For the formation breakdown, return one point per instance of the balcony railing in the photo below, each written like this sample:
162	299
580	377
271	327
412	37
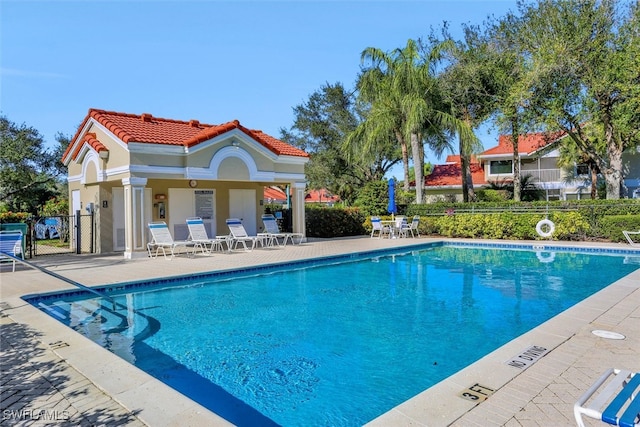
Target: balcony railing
543	175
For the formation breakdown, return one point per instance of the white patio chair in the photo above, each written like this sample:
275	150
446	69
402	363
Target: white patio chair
161	239
617	402
198	235
412	227
400	226
273	230
239	235
628	234
11	246
377	226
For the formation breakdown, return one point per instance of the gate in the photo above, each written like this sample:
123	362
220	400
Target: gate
62	234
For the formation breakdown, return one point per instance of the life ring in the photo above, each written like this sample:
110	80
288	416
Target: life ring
549	224
545	259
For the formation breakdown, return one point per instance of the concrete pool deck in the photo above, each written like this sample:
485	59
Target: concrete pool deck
53	376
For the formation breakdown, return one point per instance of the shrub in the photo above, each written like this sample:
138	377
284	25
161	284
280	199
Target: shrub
13	217
491	195
507	225
373	198
611	227
334	222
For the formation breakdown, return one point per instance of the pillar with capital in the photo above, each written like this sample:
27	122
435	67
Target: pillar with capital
137	212
297	207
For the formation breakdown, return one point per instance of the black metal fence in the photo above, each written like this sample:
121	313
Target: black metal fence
60	234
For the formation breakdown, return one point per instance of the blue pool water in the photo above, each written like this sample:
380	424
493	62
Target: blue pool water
339	341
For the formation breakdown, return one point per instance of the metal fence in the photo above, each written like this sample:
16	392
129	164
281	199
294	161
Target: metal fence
60	234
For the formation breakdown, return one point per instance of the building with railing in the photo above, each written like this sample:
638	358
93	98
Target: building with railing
539	158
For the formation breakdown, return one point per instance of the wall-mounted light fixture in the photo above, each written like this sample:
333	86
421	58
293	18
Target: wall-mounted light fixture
235	144
160	197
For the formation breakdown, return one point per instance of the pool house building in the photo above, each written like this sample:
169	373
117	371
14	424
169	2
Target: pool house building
129	170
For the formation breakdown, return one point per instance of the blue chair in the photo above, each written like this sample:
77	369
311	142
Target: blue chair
11	244
623	410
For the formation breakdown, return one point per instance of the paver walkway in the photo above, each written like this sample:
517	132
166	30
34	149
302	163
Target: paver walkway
39	388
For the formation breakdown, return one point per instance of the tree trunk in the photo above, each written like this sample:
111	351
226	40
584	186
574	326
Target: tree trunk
405	160
594	180
418	165
468	194
613	174
515	136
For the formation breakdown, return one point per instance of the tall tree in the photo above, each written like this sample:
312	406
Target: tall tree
410	97
384	117
29	174
320	127
585	76
511	100
470	89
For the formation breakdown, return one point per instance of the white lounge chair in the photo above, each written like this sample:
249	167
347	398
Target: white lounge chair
628	235
239	235
161	239
617	402
198	235
378	227
273	230
11	246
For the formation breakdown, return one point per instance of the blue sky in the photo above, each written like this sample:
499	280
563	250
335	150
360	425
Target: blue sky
214	61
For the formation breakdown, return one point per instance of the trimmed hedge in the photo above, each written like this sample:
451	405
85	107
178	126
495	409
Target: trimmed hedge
575	220
334	222
507	225
13	217
611	227
592	211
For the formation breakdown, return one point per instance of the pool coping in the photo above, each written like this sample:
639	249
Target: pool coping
131	387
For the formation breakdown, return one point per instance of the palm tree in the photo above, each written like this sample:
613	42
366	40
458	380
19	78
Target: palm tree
375	86
406	99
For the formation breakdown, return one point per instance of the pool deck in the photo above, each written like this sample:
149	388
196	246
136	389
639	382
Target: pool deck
53	376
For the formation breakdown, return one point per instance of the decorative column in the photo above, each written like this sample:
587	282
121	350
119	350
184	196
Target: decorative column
136	213
297	208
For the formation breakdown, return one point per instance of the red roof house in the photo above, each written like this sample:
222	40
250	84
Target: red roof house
134	169
492	164
321	196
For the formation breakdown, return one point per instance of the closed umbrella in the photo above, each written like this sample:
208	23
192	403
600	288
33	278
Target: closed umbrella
391	207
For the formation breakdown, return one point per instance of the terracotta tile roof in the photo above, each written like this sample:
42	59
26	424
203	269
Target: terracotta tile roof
455	158
451	175
527	144
90	139
274	194
320	196
145	128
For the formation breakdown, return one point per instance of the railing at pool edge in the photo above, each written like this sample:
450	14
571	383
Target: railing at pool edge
64	279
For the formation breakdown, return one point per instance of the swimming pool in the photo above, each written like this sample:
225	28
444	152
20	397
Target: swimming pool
338	341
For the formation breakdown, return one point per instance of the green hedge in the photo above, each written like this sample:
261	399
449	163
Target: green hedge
592	211
573	220
611	227
334	222
507	225
13	217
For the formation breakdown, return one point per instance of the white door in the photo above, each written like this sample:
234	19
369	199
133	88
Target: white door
242	204
117	210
